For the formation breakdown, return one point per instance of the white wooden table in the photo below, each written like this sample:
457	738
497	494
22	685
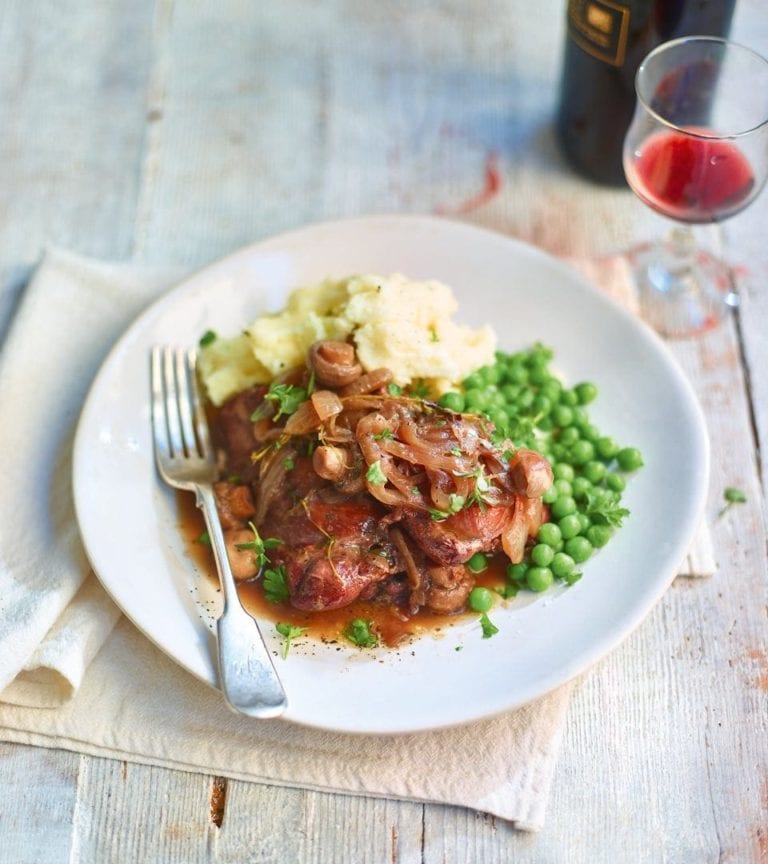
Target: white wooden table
174	132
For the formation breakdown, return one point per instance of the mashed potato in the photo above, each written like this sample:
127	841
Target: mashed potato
395	322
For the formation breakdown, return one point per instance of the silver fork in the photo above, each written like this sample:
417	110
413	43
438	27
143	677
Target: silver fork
185	460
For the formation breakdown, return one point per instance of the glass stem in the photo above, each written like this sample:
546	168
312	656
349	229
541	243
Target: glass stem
673	271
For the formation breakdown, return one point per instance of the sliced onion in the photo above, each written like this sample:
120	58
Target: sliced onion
303	420
326	403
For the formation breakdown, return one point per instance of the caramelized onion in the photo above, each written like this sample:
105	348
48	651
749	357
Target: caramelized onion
368	383
334	363
529	473
304	419
326	403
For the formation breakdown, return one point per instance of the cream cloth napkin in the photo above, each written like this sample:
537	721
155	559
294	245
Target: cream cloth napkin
56	621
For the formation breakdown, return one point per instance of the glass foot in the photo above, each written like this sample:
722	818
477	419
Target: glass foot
682	291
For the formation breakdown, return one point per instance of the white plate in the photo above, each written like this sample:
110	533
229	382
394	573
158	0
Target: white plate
129	520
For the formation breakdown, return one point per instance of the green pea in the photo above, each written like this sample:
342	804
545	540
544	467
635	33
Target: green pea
550	495
582	452
516	572
538	375
550	534
563	505
584	521
579	548
629	459
517	373
570	526
590	432
580	417
478	562
562	415
606	447
525	399
499	418
473	381
598	535
580	487
510	392
488	374
545	424
586	392
542	554
569	398
541	404
563	471
480	599
474	399
562	565
539	578
615	482
569	436
452	401
594	471
551	388
563	487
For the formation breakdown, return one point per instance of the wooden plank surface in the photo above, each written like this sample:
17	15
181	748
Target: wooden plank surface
173	132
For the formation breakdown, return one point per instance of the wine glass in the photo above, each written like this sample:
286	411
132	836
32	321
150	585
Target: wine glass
696	152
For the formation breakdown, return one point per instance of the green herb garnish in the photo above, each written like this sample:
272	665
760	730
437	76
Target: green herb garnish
259	546
603	507
455	504
287	398
489	628
360	633
375	475
207	337
276	584
289	632
732	496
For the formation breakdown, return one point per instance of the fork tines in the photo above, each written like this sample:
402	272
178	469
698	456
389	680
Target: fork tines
178	418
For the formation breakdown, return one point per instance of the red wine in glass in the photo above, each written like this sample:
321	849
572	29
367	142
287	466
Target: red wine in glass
691	177
696	152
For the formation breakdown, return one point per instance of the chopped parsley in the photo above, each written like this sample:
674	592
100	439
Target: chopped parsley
394	389
207	337
287	398
360	633
385	433
204	538
731	496
482	487
375	475
433	337
288	463
289	632
489	628
259	546
276	584
455	504
603	507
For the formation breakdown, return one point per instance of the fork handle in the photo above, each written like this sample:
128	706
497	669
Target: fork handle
247	675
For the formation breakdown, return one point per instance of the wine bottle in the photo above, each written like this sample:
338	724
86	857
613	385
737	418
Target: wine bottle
605	42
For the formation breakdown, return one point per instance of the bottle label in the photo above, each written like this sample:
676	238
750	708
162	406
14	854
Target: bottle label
600	27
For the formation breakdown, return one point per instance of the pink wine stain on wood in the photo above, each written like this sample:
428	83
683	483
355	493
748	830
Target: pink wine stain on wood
490	188
759	658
